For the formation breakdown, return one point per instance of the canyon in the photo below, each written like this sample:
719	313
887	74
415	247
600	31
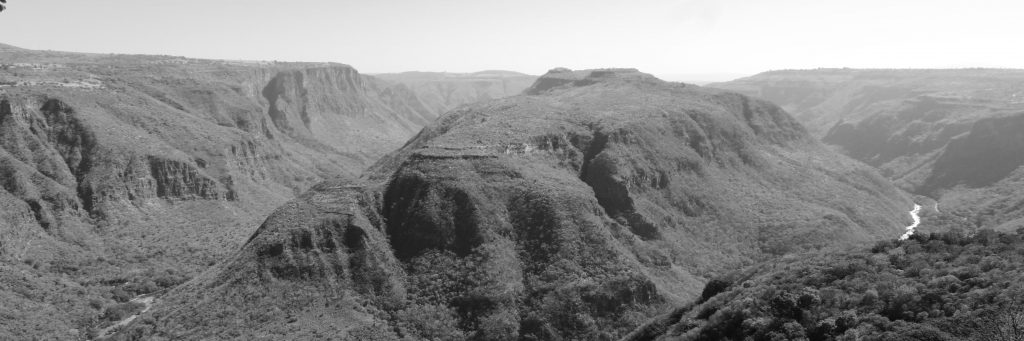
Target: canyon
575	211
248	200
950	135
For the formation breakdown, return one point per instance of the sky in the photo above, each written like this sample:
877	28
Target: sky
673	39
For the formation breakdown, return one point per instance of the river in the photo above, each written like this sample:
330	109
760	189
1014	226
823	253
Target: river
917	221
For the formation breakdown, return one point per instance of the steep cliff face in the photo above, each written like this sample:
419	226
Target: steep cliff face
896	120
35	171
304	274
573	213
338	107
978	176
443	91
989	152
129	129
947	134
57	147
119	169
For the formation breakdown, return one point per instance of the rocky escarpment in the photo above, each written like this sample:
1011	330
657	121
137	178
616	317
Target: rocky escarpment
989	152
978	177
946	134
119	169
444	91
917	130
896	120
311	104
201	130
34	173
573	213
317	259
56	149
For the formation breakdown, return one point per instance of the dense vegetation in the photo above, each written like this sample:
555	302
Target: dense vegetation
942	286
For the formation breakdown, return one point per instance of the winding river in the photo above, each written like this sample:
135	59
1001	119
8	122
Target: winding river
917	221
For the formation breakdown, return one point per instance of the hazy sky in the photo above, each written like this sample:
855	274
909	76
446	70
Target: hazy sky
664	37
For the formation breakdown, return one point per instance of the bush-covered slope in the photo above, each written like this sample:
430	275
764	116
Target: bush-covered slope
931	287
575	212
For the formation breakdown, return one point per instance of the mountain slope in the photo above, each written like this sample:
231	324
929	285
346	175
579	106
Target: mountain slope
118	172
575	212
947	134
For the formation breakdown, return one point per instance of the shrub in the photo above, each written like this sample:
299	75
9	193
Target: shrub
121	311
714	287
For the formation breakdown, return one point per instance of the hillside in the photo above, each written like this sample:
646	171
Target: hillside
576	211
126	175
951	135
444	91
931	287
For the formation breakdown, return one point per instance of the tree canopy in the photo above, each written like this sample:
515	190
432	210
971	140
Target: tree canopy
937	287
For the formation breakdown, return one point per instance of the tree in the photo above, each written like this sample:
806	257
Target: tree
3	5
1004	325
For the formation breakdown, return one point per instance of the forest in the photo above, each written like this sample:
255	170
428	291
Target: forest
939	286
